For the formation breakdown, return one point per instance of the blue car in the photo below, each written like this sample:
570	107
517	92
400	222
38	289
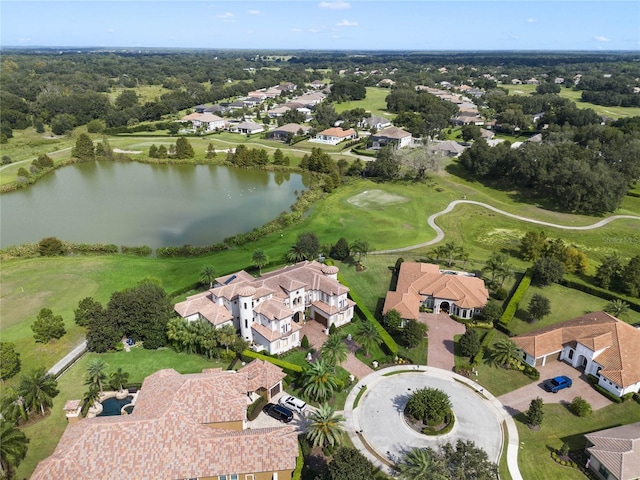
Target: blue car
557	383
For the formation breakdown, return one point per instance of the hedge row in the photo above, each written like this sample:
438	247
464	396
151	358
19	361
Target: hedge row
288	367
598	292
390	343
486	341
255	408
297	473
512	307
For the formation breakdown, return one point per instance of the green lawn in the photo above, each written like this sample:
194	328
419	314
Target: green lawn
576	96
566	303
146	93
375	102
558	426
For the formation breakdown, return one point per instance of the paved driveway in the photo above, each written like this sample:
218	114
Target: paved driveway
519	400
442	328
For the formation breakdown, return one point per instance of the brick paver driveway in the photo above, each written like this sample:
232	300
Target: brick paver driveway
441	331
519	400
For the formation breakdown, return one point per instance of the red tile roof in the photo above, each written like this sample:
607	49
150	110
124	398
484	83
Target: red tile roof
617	341
166	436
261	374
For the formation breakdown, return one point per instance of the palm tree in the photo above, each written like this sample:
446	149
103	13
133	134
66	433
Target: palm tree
38	389
497	265
503	351
190	338
439	251
318	380
617	307
226	336
13	447
90	398
325	427
12	406
176	328
334	350
452	251
95	373
118	379
421	464
368	336
260	259
209	341
296	254
207	275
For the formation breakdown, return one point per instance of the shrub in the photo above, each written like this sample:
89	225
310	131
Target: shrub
501	294
51	247
255	408
486	341
512	306
304	343
531	372
580	407
288	367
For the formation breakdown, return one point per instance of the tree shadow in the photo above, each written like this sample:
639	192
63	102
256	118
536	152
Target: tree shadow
400	400
449	345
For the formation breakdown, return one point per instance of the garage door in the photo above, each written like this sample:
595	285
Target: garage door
274	390
322	319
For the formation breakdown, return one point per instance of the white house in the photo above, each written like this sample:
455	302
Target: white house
334	135
208	121
394	136
424	284
268	310
614	453
596	343
246	128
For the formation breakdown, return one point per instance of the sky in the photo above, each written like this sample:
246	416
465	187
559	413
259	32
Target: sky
415	25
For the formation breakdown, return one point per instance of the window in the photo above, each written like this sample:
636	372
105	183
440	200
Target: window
245	305
603	471
246	323
249	476
570	354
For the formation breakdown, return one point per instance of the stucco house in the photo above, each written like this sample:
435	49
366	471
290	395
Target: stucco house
268	310
208	121
182	426
287	131
375	122
335	135
424	284
394	136
246	128
614	453
596	343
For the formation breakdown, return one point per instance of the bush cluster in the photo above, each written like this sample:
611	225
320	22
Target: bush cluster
288	367
255	408
516	298
486	341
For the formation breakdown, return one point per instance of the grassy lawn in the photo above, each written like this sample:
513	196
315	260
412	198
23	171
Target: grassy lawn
375	102
146	93
140	363
576	96
561	308
558	426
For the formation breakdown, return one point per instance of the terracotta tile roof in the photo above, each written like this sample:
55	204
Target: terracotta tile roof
202	117
331	309
203	306
392	132
618	449
261	374
417	280
617	341
273	309
72	405
292	127
163	437
337	132
273	335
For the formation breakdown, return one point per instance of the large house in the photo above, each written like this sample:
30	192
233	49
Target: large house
392	136
246	128
285	132
207	121
268	310
335	135
424	284
614	453
596	343
182	426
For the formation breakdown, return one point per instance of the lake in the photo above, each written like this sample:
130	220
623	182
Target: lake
137	204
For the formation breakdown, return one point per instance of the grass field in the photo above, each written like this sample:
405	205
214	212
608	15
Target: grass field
575	95
558	426
375	102
146	93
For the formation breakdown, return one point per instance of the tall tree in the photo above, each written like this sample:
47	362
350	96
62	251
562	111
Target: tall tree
96	374
12	406
118	379
84	149
422	464
413	333
548	270
9	360
226	336
259	259
13	448
184	149
608	273
496	265
325	426
341	250
38	388
539	307
470	343
89	399
349	464
532	245
334	351
208	275
47	326
87	309
630	277
318	381
368	336
535	412
452	252
176	329
385	166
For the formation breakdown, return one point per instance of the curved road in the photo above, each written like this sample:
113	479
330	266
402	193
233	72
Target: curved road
452	205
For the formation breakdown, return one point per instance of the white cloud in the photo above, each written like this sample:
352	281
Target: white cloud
600	38
347	23
227	17
315	30
254	12
110	30
514	37
297	30
335	5
531	20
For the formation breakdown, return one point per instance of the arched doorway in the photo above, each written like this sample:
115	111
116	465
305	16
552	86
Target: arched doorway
582	362
444	307
298	317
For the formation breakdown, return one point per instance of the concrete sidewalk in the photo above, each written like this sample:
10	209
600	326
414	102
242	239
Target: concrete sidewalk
68	360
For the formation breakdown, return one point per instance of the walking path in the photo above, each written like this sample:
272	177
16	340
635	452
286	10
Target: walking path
55	152
452	205
68	360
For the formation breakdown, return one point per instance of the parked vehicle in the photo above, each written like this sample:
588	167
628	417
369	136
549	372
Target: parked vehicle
557	383
293	403
278	412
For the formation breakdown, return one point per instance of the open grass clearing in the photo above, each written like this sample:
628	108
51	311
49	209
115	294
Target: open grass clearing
145	93
558	426
375	102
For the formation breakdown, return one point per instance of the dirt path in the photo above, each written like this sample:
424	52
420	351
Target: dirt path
452	205
55	152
